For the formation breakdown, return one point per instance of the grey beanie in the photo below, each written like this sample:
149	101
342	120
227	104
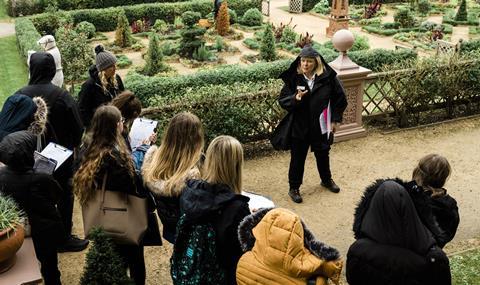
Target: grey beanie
309	51
104	59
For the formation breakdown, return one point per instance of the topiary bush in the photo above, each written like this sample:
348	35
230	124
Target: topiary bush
103	265
233	16
123	61
253	17
308	5
123	34
191	34
87	28
462	12
267	46
160	26
360	43
222	23
424	7
322	7
404	17
154	57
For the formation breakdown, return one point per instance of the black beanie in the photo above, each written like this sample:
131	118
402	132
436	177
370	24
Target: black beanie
309	51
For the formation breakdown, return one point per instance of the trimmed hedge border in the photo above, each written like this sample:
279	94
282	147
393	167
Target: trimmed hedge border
106	19
27	36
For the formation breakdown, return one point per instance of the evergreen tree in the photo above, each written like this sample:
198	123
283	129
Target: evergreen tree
123	34
462	12
103	265
223	19
154	56
191	34
267	48
77	55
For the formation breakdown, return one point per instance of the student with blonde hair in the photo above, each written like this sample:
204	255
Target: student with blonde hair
214	202
166	168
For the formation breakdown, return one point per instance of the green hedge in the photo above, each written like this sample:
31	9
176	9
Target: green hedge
470	46
27	36
147	88
106	19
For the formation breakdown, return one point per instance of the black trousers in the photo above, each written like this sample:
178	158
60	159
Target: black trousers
133	258
65	201
298	155
46	252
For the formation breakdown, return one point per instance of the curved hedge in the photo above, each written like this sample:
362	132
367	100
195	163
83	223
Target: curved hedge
106	19
27	36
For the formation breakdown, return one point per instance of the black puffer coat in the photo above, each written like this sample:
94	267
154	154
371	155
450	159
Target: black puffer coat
92	96
216	203
35	193
306	113
393	245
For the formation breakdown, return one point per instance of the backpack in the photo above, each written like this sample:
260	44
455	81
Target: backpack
194	259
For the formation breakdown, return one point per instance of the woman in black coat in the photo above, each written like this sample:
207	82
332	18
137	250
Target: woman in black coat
393	246
311	88
105	153
102	86
36	194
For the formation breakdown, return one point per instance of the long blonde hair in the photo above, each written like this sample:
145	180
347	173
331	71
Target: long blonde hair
105	81
318	70
180	151
224	162
101	141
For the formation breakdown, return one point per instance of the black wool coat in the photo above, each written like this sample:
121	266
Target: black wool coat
306	113
92	96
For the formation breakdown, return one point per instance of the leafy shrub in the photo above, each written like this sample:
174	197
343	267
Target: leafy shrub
87	28
168	48
462	12
202	54
470	46
233	16
251	43
405	18
375	59
424	6
308	5
191	34
393	25
140	26
123	61
360	43
22	7
267	46
137	46
288	35
27	36
370	21
219	44
123	34
160	26
322	7
154	57
190	18
253	17
103	265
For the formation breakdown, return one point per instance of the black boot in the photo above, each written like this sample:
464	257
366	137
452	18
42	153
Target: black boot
331	186
294	193
73	244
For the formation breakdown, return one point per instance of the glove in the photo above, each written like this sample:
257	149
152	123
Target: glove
332	270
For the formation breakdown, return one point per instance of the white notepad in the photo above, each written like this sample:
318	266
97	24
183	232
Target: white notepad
56	152
258	201
141	129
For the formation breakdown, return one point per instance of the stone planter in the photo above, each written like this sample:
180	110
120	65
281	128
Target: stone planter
10	242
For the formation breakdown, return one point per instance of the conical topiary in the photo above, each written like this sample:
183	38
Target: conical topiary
123	34
154	56
103	265
267	48
223	19
462	12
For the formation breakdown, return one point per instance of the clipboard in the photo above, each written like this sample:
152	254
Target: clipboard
141	129
258	201
57	153
43	164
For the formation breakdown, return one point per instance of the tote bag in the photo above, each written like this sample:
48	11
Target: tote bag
281	137
122	216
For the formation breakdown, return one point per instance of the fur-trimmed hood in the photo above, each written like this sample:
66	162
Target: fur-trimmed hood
20	112
247	238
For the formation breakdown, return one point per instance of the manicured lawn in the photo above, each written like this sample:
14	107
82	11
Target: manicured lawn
13	73
466	268
3	10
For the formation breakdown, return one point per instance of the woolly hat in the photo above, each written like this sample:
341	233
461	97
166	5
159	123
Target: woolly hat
309	51
104	59
47	42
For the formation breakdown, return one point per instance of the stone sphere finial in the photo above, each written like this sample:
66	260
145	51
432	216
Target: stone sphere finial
343	40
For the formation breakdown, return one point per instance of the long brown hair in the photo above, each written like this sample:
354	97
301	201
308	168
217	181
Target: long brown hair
224	162
179	153
432	171
129	106
102	139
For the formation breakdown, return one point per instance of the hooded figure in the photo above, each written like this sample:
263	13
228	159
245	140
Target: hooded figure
21	112
310	89
394	245
64	127
102	86
36	194
49	45
279	249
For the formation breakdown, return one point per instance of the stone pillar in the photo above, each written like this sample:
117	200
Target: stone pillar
338	17
353	78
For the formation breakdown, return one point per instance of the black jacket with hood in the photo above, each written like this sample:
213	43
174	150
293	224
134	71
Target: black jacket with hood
393	245
92	96
35	193
216	203
306	113
64	125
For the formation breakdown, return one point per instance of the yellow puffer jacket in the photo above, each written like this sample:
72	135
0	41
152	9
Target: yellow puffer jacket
280	251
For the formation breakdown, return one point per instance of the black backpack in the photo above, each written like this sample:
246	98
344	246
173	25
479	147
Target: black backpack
194	259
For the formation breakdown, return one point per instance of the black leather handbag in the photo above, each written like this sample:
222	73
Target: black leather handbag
281	138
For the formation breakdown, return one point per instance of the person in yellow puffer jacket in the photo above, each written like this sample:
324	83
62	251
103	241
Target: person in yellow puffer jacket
279	249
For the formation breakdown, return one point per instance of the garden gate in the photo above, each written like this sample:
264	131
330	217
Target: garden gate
266	7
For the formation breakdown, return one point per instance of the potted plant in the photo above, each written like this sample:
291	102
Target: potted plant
11	231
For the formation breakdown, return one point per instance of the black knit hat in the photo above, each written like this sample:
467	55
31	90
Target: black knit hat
309	51
104	59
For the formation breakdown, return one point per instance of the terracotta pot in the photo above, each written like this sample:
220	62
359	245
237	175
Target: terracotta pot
10	242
